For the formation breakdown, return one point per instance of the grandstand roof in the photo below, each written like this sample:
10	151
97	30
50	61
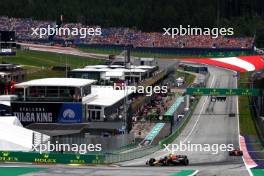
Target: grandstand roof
58	82
146	59
114	74
97	66
143	66
92	69
107	95
117	66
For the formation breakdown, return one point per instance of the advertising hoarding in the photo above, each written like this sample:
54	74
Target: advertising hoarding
35	112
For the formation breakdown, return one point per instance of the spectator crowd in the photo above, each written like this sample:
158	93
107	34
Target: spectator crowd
123	36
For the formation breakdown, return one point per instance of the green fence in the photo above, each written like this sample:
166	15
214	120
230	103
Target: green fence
50	158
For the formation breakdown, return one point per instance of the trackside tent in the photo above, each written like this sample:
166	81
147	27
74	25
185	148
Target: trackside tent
10	120
14	137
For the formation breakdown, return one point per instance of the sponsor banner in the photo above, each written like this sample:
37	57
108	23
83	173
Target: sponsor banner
35	112
70	113
51	158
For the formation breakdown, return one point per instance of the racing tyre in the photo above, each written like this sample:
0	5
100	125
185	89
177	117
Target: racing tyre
152	161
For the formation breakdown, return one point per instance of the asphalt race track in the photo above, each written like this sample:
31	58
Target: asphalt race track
210	124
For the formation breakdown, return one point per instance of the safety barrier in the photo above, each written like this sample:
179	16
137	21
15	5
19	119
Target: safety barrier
202	52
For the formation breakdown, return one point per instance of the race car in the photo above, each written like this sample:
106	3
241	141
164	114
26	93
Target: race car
171	160
236	152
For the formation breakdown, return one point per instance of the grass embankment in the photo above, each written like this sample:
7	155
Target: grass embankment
246	121
39	64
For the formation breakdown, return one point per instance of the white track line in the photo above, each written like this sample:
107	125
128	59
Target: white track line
194	173
198	118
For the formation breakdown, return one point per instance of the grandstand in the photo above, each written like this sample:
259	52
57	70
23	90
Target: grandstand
121	36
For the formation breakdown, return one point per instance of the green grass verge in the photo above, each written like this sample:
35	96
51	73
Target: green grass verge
46	74
257	172
38	64
48	59
16	171
246	122
183	173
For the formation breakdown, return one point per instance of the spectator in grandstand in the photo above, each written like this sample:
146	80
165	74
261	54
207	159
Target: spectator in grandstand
123	36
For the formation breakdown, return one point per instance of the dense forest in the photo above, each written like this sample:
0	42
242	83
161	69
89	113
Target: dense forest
245	16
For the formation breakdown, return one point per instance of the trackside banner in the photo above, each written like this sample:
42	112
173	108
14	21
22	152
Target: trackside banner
50	158
34	112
